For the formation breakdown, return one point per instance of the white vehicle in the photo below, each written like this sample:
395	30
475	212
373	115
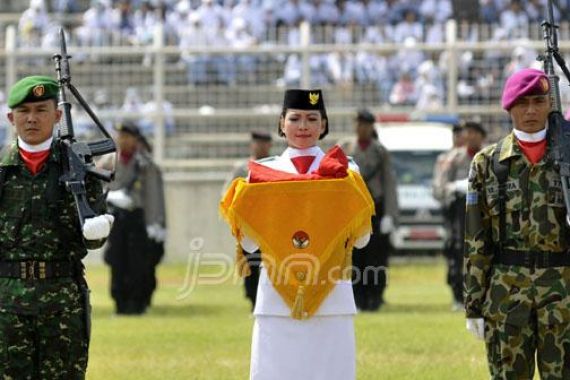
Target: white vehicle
414	147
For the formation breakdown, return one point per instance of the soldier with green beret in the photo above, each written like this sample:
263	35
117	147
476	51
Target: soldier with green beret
44	304
517	259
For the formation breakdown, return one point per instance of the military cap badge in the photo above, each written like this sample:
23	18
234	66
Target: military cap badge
313	98
39	90
544	84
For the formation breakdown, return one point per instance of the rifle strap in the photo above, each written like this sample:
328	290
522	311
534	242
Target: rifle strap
501	171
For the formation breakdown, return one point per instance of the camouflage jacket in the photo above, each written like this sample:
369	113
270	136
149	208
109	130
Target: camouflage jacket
38	221
535	216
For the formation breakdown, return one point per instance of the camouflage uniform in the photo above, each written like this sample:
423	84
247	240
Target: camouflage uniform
450	167
526	308
44	323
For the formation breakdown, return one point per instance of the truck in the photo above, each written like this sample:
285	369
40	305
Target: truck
414	147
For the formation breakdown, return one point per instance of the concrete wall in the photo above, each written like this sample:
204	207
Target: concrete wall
192	214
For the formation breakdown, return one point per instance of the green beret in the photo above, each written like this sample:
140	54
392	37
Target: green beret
32	89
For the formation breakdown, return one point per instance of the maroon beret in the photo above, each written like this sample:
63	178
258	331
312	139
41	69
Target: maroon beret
524	82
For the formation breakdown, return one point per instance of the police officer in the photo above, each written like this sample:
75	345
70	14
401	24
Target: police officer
136	243
44	299
517	241
259	147
376	169
450	187
458	140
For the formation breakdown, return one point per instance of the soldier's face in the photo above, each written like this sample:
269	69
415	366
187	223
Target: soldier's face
34	122
364	130
127	142
260	149
474	138
529	113
302	128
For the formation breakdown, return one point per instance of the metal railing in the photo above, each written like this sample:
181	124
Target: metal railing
203	124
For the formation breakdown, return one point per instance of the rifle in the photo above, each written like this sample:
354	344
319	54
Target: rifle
558	127
76	156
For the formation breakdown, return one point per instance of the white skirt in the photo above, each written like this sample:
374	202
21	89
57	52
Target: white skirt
319	348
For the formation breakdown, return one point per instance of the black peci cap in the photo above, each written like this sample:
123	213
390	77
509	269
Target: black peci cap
304	99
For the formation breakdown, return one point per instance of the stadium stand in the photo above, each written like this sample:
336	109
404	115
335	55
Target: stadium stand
219	68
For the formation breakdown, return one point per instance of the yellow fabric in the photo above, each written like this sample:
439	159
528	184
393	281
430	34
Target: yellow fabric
333	212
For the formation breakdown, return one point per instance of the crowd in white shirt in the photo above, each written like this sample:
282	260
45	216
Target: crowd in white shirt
409	77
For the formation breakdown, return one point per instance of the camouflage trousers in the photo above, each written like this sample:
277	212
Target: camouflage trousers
47	346
527	323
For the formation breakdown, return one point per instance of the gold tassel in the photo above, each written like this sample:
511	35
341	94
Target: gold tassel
299	305
242	265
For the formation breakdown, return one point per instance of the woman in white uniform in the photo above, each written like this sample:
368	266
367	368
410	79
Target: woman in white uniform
323	346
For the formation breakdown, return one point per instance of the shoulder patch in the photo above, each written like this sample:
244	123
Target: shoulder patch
472	198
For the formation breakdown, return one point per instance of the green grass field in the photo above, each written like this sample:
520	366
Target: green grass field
206	335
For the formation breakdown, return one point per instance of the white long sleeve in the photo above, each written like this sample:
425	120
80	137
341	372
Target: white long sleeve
248	244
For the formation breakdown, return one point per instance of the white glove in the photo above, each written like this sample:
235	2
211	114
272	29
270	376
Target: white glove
386	225
362	241
156	232
120	199
461	185
98	227
248	244
477	327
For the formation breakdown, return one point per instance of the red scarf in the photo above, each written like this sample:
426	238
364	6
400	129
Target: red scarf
34	160
125	157
363	144
303	163
333	165
533	150
472	152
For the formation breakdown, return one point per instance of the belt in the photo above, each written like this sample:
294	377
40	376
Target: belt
36	270
532	259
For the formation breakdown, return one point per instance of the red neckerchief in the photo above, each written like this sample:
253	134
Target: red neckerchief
363	144
333	165
533	150
302	163
125	157
472	152
34	161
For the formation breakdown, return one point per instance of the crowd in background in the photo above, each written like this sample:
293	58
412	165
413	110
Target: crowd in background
409	77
